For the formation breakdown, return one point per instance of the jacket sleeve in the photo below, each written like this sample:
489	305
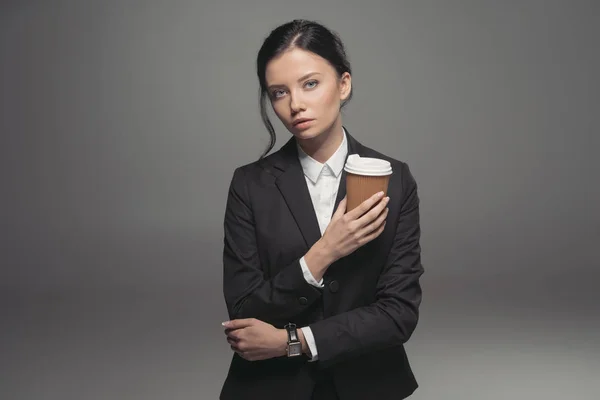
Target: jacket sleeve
391	319
248	294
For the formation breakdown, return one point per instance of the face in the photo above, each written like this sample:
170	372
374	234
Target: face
302	85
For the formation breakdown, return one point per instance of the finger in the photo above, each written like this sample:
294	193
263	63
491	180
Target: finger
365	206
374	234
236	346
341	210
238	323
235	349
374	225
235	335
233	332
370	216
242	346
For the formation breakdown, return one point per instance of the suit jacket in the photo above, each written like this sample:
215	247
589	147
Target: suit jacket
362	317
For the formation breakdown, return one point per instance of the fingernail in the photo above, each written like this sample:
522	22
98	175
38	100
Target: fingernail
225	323
379	194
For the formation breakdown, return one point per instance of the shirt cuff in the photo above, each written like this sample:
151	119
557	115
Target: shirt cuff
308	276
310	341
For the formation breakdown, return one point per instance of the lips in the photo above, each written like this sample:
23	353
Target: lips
299	121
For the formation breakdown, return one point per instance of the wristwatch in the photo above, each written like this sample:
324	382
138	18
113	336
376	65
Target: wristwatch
294	346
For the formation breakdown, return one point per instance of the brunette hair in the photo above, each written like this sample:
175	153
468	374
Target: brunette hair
306	35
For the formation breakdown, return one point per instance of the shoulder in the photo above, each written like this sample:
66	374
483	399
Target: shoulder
260	172
256	169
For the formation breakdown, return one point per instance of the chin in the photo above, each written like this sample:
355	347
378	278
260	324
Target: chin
307	134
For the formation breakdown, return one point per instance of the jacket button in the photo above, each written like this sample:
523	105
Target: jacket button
303	300
334	286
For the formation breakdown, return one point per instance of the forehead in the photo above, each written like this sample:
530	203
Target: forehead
293	64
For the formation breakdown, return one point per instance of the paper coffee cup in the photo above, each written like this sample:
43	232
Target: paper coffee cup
364	177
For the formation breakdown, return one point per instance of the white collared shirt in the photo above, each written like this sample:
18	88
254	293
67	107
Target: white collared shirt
323	181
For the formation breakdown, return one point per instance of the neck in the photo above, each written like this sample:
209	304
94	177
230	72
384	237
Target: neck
322	147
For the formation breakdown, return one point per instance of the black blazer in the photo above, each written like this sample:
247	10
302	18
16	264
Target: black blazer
360	319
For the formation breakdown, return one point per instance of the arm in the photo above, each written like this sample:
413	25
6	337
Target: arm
309	346
392	318
247	293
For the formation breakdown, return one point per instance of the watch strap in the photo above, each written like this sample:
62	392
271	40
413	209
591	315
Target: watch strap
292	332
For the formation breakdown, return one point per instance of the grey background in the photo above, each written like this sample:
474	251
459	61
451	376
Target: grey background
122	123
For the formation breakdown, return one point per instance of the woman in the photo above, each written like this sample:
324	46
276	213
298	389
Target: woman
320	300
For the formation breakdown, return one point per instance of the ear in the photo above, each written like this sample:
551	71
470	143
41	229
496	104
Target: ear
345	85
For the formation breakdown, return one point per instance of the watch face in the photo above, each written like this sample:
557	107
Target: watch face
294	349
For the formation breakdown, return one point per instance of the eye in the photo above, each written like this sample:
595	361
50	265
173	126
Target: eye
311	84
277	93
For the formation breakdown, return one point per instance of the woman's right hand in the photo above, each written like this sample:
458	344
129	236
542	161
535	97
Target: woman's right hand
347	231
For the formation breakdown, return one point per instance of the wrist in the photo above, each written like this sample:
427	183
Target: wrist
318	259
282	342
305	349
325	251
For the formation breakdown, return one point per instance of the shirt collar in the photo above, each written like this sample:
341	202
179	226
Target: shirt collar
312	168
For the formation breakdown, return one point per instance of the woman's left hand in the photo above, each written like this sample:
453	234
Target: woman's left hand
255	340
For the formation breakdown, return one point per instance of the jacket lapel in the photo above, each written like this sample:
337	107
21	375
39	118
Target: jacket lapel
292	185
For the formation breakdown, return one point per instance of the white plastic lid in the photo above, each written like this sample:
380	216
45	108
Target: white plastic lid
358	165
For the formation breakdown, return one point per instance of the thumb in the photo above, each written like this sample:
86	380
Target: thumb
341	210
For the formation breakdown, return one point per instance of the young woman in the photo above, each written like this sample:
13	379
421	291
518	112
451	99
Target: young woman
320	300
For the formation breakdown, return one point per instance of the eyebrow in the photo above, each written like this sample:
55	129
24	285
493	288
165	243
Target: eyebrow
271	87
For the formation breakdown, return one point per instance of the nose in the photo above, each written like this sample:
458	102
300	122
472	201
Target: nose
296	103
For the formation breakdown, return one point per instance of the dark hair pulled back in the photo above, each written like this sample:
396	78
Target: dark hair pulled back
306	35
